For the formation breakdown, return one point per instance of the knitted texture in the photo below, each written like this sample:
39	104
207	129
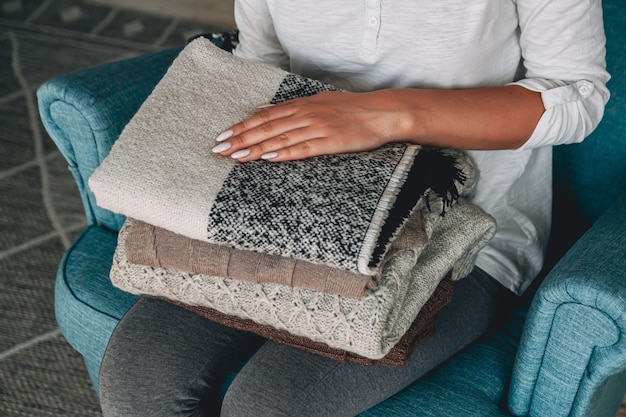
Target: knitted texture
368	326
422	328
342	211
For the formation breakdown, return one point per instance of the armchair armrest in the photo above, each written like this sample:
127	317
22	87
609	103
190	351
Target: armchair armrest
84	113
572	355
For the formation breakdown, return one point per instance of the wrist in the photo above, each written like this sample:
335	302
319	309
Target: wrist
402	120
409	118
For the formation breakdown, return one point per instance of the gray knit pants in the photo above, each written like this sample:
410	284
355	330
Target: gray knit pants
163	360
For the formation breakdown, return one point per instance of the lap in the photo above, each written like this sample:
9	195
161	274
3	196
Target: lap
283	381
165	360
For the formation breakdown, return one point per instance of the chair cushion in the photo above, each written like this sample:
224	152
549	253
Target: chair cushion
87	306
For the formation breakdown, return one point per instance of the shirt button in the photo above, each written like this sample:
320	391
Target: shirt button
373	21
584	89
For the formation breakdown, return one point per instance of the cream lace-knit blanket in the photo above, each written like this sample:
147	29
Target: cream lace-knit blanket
369	326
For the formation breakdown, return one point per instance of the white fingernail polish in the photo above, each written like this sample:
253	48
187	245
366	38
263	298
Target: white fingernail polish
241	154
221	147
269	155
223	136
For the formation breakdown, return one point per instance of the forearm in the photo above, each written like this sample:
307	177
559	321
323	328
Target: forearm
336	122
479	119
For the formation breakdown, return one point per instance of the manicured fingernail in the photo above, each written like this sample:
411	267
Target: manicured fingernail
221	147
223	136
241	154
265	105
269	155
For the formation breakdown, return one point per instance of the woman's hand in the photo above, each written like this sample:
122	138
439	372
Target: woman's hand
337	122
327	123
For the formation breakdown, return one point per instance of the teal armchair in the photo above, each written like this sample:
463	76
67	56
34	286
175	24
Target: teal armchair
561	353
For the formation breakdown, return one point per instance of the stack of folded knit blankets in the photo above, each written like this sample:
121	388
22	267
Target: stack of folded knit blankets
349	256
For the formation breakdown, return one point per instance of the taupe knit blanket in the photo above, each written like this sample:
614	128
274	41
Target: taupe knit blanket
342	211
154	246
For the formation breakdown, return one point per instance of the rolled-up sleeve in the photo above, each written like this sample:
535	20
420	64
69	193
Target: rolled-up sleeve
257	36
564	55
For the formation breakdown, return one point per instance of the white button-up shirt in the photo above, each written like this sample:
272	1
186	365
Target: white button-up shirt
555	47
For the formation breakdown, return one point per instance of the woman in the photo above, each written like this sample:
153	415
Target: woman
505	80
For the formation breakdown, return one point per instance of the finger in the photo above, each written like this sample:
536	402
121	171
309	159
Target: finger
269	136
261	137
229	143
253	122
269	147
265	114
301	150
317	146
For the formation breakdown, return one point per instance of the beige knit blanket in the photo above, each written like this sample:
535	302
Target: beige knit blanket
342	211
423	327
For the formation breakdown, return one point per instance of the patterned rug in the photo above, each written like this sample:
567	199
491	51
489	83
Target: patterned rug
40	209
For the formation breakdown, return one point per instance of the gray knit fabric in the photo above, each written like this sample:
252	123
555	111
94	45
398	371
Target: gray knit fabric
331	210
368	326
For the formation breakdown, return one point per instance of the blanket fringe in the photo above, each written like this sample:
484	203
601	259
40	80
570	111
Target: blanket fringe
441	173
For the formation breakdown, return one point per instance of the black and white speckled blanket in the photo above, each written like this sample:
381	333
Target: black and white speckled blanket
338	210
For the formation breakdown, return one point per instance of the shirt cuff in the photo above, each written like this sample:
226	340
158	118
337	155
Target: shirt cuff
572	111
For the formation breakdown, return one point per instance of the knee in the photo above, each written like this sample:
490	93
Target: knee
235	403
244	400
123	391
253	397
117	389
126	391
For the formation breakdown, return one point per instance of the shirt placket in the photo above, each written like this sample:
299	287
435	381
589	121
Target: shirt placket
371	27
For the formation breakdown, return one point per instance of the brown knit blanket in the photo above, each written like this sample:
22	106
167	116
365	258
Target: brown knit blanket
422	328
